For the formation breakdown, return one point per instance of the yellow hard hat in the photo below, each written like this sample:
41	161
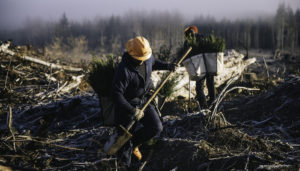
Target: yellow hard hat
139	48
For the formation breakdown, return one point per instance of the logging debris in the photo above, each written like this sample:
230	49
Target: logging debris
54	123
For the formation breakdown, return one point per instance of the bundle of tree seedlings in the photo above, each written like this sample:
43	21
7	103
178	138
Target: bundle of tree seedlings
100	78
212	44
168	89
101	75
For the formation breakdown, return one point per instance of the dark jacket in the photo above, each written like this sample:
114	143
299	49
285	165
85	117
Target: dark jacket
129	87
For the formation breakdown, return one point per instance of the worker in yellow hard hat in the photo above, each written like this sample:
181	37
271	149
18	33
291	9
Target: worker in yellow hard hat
131	83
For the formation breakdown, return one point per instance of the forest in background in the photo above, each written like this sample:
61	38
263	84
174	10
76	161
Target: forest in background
164	30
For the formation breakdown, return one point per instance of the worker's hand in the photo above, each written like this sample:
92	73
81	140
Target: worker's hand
138	113
150	93
173	67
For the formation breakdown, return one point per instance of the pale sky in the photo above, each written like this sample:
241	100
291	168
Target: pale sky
15	12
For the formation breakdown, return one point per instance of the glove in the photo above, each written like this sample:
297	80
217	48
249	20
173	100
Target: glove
138	114
150	93
173	67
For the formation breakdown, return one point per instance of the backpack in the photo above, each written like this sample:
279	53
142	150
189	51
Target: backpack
107	110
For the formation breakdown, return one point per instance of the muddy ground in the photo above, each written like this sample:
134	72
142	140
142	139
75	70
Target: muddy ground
250	130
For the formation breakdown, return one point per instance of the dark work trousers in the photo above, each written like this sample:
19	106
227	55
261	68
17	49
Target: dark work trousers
151	126
200	90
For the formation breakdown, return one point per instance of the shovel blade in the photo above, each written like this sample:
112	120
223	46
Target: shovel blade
114	143
110	142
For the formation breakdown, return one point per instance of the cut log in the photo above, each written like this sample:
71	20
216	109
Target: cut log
74	84
275	167
234	64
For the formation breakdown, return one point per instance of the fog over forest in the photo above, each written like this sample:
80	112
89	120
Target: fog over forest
164	30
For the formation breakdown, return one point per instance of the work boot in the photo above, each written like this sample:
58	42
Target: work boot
136	152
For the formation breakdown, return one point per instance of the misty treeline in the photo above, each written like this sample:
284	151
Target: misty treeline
164	30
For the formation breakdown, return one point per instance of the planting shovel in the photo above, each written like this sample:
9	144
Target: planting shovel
113	145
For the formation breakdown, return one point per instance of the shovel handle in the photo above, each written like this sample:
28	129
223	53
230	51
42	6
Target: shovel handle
130	124
157	90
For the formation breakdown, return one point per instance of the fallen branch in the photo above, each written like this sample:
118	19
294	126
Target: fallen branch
4	48
274	167
50	78
18	72
261	122
247	162
7	73
65	88
10	121
50	144
220	99
59	88
53	66
13	156
223	91
77	81
93	163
